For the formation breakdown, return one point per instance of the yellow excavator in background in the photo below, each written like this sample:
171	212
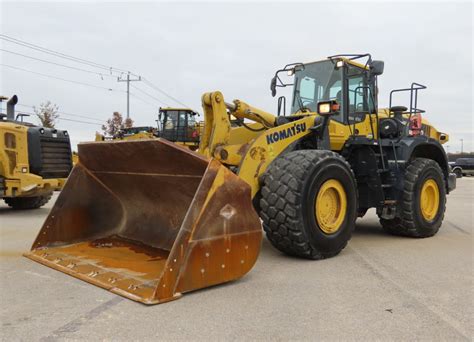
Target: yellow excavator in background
150	220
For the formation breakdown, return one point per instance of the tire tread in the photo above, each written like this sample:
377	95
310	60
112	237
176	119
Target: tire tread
24	203
405	224
281	204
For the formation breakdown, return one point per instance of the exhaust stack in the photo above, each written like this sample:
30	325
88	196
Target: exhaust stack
11	107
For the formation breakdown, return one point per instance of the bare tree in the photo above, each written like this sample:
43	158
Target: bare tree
128	123
113	125
47	113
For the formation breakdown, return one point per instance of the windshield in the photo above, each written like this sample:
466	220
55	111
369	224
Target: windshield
178	118
171	115
319	81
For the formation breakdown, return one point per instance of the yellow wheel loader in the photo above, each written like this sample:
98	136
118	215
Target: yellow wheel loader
150	220
34	161
177	125
132	133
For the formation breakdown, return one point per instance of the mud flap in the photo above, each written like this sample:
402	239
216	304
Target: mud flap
150	220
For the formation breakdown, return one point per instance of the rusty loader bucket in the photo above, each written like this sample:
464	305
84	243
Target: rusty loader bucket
150	220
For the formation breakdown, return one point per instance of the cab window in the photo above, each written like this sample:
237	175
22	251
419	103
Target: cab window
171	119
191	121
182	119
308	92
359	95
357	101
335	93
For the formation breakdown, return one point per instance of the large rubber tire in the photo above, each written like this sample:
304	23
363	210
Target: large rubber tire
23	203
290	187
410	221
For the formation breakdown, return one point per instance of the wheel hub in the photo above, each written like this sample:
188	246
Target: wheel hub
429	199
331	206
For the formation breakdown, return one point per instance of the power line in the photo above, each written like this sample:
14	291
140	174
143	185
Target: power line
59	78
151	96
61	55
64	113
143	100
59	64
80	121
80	116
146	81
86	62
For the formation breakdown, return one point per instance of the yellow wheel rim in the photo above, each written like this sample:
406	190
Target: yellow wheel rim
429	199
330	206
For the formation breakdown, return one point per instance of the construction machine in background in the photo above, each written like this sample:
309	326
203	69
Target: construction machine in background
150	220
34	161
178	125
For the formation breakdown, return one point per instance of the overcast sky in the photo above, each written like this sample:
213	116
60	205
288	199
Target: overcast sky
187	49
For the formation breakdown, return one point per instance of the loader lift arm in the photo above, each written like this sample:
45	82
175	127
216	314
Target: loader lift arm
250	151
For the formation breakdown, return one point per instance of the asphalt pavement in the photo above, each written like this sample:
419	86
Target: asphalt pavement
380	287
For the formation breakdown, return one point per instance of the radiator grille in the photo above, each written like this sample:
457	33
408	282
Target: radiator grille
55	157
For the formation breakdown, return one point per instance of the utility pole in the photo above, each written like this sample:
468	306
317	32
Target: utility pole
128	80
462	146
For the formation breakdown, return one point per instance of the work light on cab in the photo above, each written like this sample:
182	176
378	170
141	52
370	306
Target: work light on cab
328	107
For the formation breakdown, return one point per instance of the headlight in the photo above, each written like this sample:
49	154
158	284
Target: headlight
328	107
324	108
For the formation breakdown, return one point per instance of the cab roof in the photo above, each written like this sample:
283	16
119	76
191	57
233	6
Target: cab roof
165	109
345	59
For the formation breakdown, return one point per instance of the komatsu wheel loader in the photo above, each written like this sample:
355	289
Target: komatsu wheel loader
150	220
34	161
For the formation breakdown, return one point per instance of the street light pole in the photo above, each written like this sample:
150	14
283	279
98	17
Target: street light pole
462	146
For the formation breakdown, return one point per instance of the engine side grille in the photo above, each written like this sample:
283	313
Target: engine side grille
55	158
49	152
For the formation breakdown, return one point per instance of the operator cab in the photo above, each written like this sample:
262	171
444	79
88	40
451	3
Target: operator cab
349	87
345	89
178	125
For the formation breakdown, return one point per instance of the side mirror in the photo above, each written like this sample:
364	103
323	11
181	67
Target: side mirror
273	84
376	68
